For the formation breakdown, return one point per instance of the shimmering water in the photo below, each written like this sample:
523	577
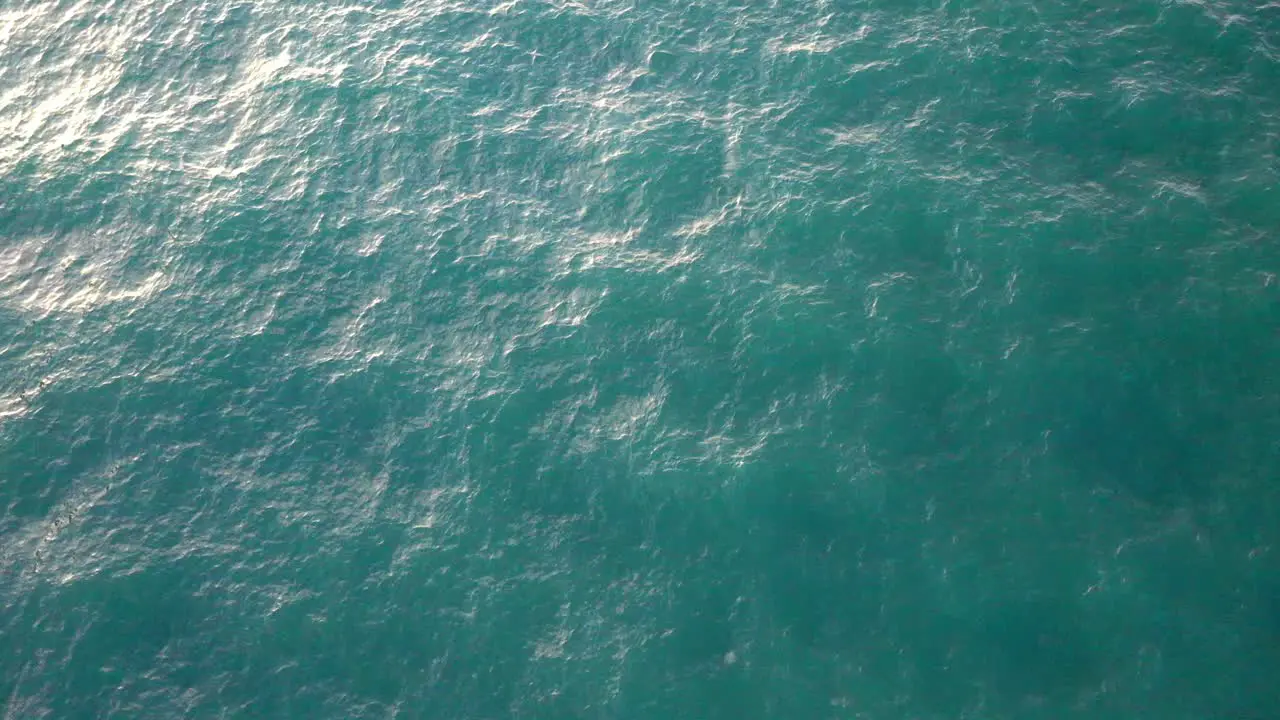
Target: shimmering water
605	359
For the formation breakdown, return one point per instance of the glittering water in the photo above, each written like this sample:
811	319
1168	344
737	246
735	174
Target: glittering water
545	359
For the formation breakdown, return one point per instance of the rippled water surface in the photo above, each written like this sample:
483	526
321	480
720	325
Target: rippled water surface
609	359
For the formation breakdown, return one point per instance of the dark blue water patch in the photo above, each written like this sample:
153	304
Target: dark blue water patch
915	388
1189	617
125	632
708	617
219	40
1121	432
302	659
935	663
668	177
59	197
410	653
1182	399
982	253
1258	625
819	547
1036	649
51	447
654	686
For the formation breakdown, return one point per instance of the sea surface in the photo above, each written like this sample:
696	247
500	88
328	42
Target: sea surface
640	359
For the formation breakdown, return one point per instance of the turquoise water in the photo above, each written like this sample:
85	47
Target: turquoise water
556	359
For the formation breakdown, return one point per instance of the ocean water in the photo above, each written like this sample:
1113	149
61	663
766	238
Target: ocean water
613	359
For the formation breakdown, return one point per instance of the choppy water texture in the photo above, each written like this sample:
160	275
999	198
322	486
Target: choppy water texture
555	359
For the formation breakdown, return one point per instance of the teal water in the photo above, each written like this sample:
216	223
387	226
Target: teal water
603	359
